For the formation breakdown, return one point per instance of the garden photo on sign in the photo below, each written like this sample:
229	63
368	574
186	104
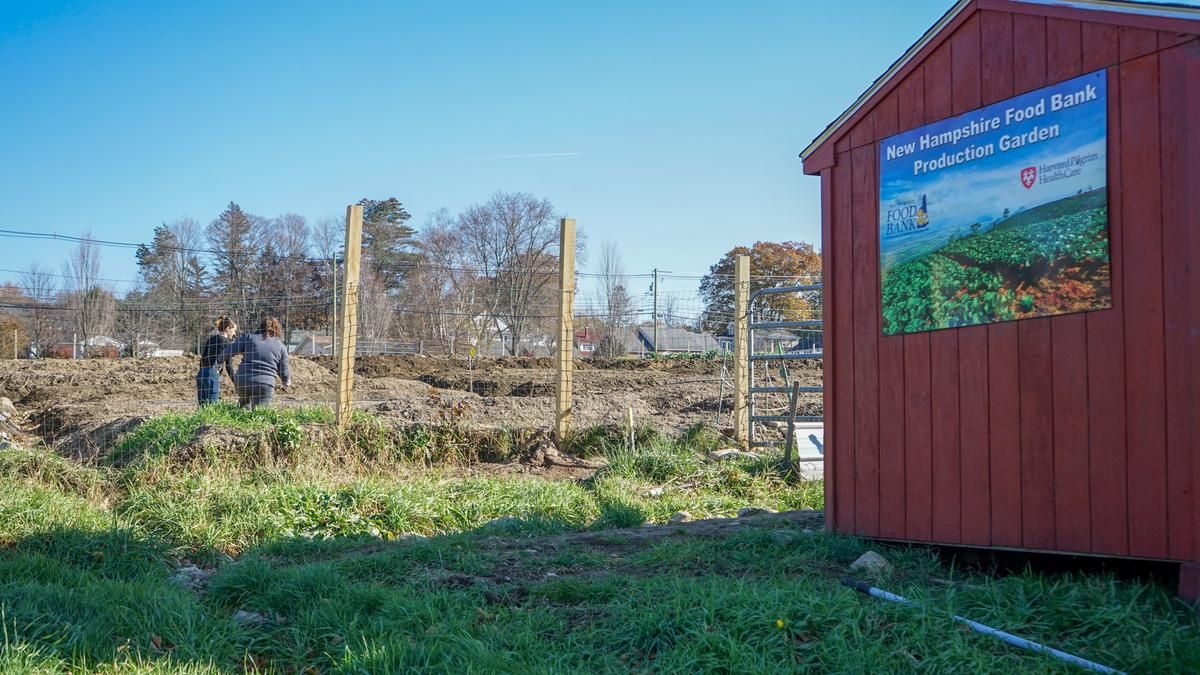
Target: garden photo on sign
997	214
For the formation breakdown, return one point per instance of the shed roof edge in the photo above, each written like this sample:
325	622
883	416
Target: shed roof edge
1162	10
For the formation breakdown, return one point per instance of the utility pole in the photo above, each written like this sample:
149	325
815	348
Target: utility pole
656	273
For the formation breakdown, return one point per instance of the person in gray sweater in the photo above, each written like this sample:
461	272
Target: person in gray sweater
264	357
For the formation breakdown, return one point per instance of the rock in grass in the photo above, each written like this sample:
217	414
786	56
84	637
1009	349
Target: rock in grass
191	577
750	511
504	523
871	563
680	517
7	409
784	537
730	453
248	619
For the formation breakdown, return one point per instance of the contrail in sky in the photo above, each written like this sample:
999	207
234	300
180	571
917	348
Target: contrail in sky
525	156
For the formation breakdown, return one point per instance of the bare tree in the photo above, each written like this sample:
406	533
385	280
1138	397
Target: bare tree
174	276
616	303
329	237
375	311
135	322
40	286
667	312
443	290
193	277
512	240
92	304
329	242
284	269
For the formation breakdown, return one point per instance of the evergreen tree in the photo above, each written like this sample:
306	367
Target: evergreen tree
388	242
233	239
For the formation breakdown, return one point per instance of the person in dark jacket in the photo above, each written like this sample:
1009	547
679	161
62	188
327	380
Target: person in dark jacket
264	358
212	356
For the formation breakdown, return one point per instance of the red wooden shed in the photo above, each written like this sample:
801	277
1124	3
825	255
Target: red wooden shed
1073	432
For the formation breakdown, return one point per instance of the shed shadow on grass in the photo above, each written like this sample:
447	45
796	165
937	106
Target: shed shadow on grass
510	594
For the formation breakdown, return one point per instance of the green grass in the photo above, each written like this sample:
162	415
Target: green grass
318	550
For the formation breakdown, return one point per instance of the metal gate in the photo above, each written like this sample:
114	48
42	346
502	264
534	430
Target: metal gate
759	412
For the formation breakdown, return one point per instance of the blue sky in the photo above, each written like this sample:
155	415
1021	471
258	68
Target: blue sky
682	120
979	190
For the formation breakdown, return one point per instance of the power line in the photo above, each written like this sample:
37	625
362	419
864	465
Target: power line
395	267
67	276
54	236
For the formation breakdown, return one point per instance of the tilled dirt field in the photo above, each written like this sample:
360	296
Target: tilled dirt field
93	401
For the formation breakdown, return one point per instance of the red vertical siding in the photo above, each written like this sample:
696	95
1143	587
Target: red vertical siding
973	442
1100	47
1144	349
1037	434
918	484
1036	356
1176	311
843	364
1191	192
1064	49
943	344
1072	503
891	386
918	469
864	131
1072	509
1004	412
1106	361
865	196
1136	42
1004	432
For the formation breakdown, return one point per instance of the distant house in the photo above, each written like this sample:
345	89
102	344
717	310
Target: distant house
806	340
152	349
322	345
159	353
586	341
671	340
97	346
313	344
379	347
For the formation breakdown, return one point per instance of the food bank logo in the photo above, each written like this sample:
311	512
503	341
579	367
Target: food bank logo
906	217
1028	176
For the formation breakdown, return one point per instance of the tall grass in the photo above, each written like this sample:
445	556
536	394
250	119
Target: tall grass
285	473
307	544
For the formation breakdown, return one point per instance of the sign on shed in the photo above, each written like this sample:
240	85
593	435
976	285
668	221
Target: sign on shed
997	214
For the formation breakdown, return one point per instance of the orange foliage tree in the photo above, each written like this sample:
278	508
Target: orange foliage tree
772	265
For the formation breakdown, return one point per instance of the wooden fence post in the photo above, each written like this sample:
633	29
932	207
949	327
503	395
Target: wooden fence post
566	328
741	351
793	402
349	320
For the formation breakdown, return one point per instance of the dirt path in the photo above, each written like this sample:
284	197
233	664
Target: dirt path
615	542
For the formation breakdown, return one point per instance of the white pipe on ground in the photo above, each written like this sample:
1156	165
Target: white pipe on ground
868	589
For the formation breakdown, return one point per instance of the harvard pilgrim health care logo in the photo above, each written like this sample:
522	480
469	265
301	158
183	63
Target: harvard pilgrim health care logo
1028	176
